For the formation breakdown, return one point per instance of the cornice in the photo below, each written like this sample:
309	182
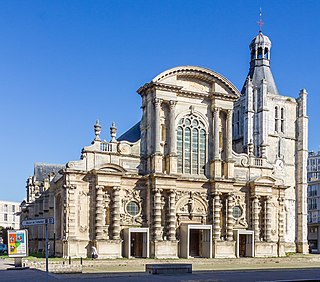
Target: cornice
183	93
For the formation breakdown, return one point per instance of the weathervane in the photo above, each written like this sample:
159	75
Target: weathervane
260	22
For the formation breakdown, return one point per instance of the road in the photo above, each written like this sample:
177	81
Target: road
33	275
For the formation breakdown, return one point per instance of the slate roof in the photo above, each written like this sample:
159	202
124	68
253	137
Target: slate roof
257	73
132	135
42	170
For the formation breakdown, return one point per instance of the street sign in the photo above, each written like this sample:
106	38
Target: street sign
38	221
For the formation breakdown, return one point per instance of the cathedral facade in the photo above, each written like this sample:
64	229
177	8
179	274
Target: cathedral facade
209	171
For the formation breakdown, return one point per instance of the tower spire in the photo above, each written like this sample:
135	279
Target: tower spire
260	22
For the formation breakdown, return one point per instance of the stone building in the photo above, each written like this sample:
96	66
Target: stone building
208	172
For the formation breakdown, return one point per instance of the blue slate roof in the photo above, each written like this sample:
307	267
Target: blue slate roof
132	135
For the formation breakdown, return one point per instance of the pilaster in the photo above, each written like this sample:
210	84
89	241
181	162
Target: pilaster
116	213
172	215
268	219
71	210
157	229
230	219
173	139
255	217
216	217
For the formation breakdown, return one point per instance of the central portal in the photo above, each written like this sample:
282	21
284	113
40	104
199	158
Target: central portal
195	241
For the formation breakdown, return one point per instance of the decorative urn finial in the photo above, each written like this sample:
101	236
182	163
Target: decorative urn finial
97	131
113	132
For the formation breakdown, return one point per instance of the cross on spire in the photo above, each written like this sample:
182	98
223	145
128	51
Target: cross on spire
260	22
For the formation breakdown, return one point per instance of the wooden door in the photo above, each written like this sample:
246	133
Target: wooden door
242	245
194	243
136	244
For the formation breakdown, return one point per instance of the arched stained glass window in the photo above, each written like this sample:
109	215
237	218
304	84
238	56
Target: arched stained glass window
191	145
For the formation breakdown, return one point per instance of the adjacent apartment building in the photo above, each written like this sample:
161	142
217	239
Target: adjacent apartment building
313	175
9	214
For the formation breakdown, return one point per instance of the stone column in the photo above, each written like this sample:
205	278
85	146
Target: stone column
71	210
216	118
157	104
268	219
229	136
157	215
172	216
173	137
281	219
230	219
99	212
116	213
255	218
216	217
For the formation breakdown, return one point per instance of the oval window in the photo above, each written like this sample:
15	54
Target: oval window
237	212
133	208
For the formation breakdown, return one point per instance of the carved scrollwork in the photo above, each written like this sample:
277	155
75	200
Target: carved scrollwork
128	218
240	222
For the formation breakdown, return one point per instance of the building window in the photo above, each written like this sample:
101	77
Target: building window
282	120
276	119
237	212
191	145
5	208
13	208
133	208
5	217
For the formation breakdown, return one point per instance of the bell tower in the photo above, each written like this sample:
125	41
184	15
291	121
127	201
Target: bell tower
253	106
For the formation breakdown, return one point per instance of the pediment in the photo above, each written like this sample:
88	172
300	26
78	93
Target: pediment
263	181
111	168
197	79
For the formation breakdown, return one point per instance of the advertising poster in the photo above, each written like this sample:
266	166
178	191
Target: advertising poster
17	243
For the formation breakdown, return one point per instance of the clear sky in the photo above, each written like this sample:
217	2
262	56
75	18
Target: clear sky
64	64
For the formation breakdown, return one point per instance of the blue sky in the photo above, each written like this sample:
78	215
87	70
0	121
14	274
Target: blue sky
64	64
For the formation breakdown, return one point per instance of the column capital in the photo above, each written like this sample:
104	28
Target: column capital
269	198
116	188
216	109
229	112
172	104
157	190
157	101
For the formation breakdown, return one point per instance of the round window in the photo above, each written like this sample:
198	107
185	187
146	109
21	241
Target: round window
133	208
237	212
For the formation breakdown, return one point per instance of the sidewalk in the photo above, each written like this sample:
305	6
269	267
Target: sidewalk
138	265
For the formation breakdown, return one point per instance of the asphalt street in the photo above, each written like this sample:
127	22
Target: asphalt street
32	275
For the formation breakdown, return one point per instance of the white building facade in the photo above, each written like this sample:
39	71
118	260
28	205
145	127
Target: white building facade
313	169
8	214
209	171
